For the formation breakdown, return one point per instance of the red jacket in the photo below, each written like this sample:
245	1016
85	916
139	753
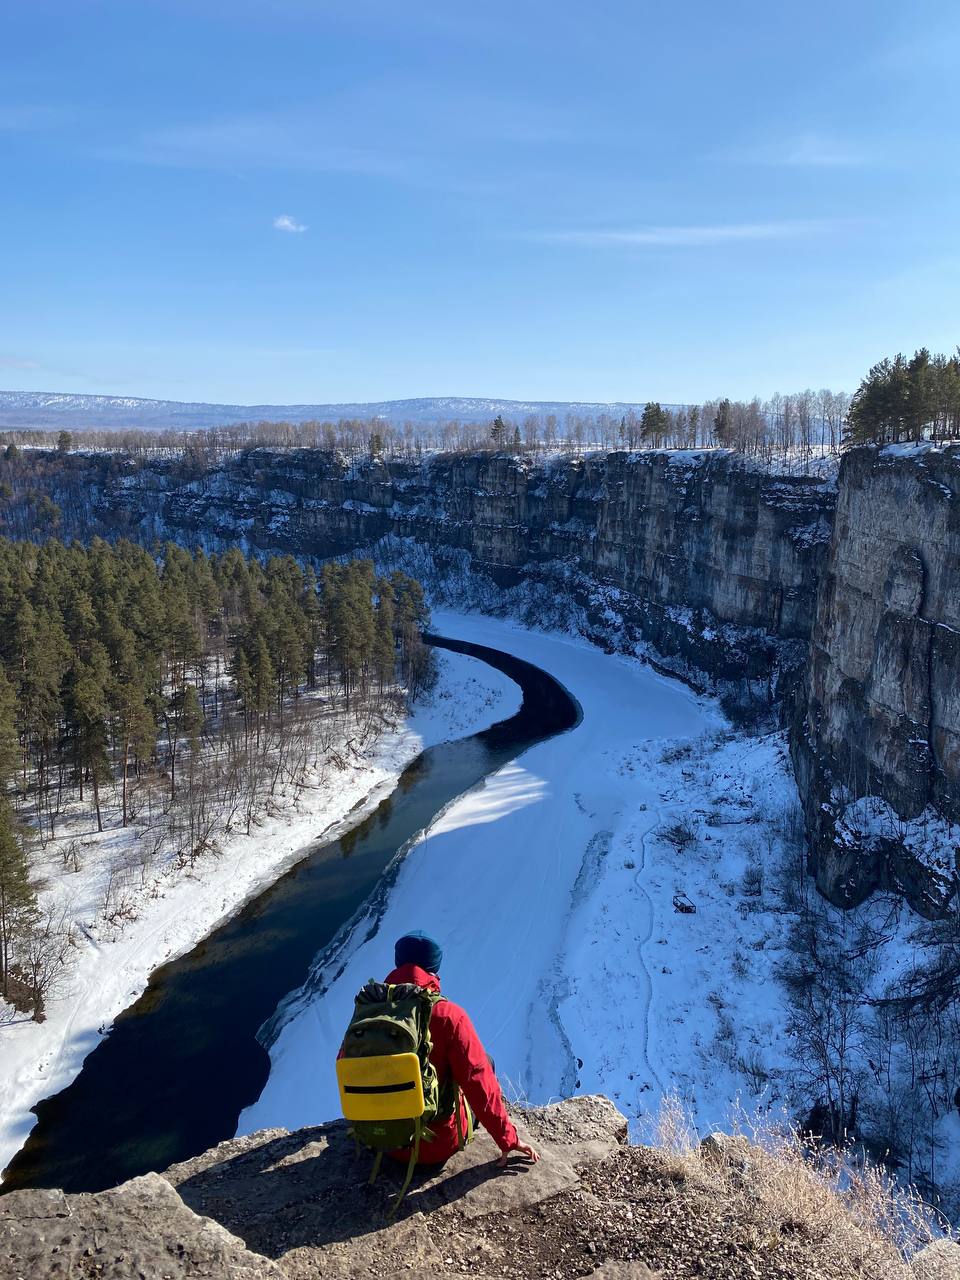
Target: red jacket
458	1052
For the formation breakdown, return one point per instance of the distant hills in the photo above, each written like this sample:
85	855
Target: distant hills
47	410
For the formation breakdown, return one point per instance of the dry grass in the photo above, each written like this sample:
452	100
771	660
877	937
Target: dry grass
841	1205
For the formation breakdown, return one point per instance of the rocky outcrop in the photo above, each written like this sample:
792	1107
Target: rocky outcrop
304	1197
299	1206
141	1229
880	713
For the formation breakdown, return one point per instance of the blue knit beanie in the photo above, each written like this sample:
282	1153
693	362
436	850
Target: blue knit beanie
420	949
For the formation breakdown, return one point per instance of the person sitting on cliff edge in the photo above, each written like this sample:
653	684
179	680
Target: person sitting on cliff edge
457	1053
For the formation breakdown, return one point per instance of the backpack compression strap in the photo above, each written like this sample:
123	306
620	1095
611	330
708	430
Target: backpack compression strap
411	1165
430	999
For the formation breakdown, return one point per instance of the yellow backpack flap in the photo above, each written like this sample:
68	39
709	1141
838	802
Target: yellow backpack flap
382	1087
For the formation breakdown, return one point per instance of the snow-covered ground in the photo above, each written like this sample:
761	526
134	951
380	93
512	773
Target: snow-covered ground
558	890
552	887
110	968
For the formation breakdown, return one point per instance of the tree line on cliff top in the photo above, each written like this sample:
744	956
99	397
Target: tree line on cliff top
806	423
900	399
175	692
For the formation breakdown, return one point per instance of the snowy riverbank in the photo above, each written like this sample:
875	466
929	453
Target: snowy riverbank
555	902
110	968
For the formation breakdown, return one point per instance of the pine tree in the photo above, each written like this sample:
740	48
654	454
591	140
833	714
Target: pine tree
653	424
313	623
263	681
723	423
192	720
288	658
412	615
183	718
134	726
42	648
331	584
385	644
693	422
243	683
18	900
9	740
85	715
920	394
498	432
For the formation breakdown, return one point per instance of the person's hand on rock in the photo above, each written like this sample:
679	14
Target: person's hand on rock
522	1149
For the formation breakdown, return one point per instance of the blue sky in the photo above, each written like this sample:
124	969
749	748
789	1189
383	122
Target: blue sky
314	200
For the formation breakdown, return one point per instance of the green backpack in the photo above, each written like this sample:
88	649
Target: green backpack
389	1089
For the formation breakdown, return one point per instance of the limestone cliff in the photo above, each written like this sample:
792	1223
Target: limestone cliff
880	713
712	562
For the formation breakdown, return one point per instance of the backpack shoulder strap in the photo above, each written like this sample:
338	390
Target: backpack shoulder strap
428	1000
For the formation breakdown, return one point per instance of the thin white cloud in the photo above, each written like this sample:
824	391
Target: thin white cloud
393	128
284	222
685	237
810	151
239	143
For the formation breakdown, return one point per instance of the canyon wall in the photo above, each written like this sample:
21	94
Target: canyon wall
842	604
876	738
711	562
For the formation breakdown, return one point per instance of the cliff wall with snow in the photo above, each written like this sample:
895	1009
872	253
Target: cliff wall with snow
713	563
842	602
876	742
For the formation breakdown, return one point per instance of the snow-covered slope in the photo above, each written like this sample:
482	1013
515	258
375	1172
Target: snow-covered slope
53	410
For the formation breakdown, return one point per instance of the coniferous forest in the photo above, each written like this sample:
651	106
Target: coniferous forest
903	400
180	693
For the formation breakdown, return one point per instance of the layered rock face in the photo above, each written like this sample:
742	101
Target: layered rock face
731	576
713	563
880	715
